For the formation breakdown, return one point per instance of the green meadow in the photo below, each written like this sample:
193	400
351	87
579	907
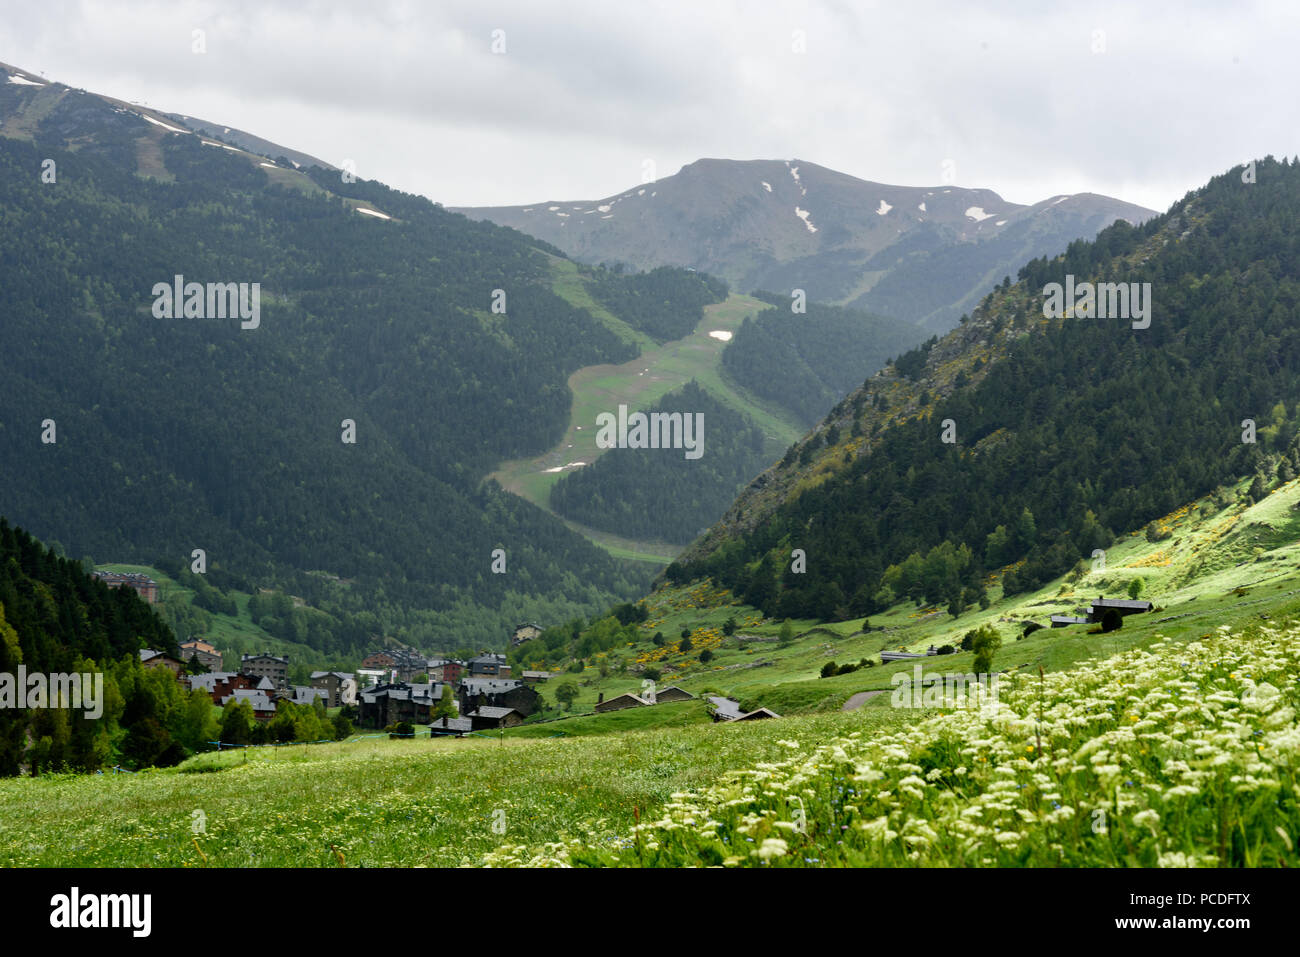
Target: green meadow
1217	662
638	384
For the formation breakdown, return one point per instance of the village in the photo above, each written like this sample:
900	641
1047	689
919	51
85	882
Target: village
397	688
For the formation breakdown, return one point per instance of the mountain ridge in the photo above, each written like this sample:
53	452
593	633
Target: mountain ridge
877	480
786	224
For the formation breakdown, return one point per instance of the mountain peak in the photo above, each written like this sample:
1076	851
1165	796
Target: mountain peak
782	224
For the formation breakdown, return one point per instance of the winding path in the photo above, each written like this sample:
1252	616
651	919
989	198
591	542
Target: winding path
859	699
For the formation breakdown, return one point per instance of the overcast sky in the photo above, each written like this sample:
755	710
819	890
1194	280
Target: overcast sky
1138	104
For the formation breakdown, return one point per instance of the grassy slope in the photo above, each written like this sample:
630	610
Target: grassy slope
232	635
428	801
658	370
1191	578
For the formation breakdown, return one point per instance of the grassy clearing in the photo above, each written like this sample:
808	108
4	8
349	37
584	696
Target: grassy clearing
380	802
638	384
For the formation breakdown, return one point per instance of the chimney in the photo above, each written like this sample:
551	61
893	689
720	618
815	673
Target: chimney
600	699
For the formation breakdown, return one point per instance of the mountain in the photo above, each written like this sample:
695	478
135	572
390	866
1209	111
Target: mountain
1017	444
335	444
922	254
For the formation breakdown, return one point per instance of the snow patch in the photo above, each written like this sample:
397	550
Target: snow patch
794	172
766	185
640	192
168	127
22	80
922	207
883	208
608	216
551	209
233	149
1061	200
561	214
268	165
604	209
561	468
803	214
722	335
1000	222
373	212
977	213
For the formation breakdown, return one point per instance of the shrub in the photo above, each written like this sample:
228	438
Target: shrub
941	650
1111	621
830	669
984	642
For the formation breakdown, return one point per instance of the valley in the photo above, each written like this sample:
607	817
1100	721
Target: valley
382	568
572	790
638	383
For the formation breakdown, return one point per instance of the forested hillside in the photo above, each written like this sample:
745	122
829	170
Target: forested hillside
664	303
439	338
55	618
806	362
659	493
1065	432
